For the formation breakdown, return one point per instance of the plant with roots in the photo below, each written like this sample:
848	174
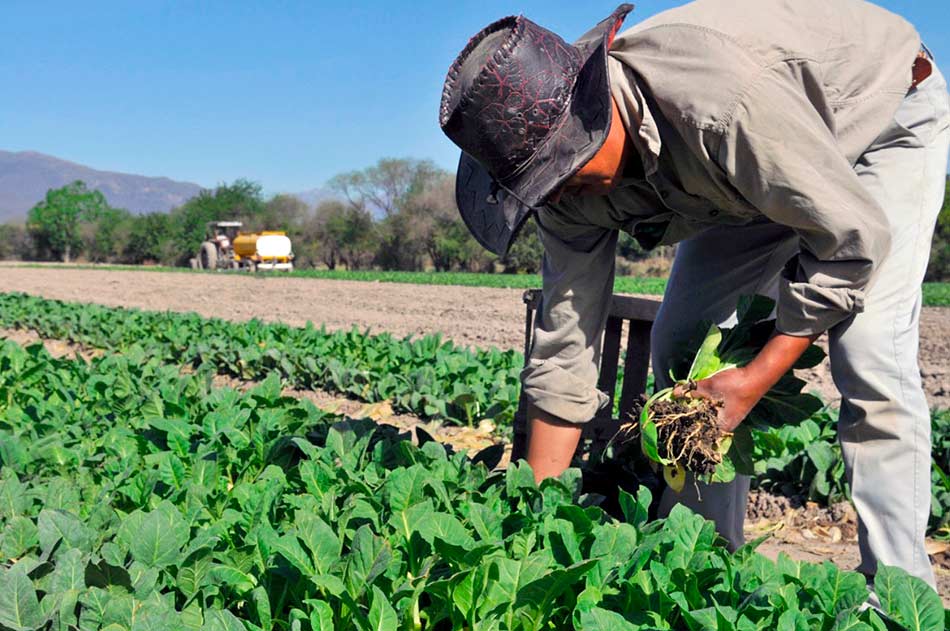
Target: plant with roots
681	433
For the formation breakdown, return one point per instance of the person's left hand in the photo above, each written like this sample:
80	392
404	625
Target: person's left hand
736	390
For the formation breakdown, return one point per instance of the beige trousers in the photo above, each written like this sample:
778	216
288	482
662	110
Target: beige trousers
884	421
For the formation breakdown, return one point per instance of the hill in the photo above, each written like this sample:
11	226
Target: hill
25	176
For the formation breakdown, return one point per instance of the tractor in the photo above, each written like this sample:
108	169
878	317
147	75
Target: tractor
226	247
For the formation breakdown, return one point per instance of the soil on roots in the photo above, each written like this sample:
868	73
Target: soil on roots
688	432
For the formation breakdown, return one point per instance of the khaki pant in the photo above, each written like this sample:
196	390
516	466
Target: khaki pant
884	422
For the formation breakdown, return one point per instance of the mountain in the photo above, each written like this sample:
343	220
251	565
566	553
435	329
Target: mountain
25	176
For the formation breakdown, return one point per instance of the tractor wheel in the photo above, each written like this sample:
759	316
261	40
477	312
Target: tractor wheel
209	256
194	263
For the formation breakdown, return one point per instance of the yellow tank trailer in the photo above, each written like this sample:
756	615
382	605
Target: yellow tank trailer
226	247
269	249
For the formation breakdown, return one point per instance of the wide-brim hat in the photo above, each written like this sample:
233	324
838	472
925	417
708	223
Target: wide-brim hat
528	111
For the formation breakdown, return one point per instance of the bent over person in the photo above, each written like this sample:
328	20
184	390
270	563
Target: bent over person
793	149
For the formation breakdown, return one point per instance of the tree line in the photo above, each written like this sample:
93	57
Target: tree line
398	214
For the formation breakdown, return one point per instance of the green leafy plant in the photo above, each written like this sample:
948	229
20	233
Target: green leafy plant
428	376
133	497
680	432
431	378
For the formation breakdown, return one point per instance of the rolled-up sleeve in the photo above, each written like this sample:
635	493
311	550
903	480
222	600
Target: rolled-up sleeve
782	156
578	273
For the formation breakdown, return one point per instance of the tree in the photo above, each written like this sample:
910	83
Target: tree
281	212
104	236
54	223
150	240
341	233
15	242
524	257
385	187
240	201
939	268
387	190
439	227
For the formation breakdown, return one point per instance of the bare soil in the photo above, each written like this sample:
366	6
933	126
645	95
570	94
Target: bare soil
470	316
806	531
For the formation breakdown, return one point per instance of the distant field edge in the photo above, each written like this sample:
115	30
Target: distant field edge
935	294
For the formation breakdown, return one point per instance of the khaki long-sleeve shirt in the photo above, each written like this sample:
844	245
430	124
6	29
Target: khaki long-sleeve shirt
739	110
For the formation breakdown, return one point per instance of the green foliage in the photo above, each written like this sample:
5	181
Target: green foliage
55	223
106	235
281	212
721	349
804	460
391	189
940	482
338	234
241	201
526	252
939	267
627	285
429	377
399	244
150	240
15	242
137	498
451	246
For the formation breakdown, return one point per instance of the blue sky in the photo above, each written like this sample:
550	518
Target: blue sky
284	93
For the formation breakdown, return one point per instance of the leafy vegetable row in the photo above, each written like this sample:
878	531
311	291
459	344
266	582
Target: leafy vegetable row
135	498
805	460
429	377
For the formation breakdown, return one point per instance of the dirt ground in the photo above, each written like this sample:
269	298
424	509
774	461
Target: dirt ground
471	316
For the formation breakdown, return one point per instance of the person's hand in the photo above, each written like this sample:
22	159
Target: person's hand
735	390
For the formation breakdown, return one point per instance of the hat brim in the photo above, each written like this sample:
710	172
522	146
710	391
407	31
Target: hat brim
494	214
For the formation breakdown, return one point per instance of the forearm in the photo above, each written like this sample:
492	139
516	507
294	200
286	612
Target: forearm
775	359
551	443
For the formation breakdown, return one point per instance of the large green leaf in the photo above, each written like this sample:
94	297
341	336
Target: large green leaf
56	525
635	509
19	606
446	527
908	600
70	572
369	557
19	536
155	538
406	486
321	616
707	361
325	547
382	616
541	593
598	619
240	582
221	620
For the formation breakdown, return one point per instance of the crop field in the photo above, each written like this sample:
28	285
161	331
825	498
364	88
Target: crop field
136	494
934	294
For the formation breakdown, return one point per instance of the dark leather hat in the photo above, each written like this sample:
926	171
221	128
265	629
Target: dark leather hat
528	111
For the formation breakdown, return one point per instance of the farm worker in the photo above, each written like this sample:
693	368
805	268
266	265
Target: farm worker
797	149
